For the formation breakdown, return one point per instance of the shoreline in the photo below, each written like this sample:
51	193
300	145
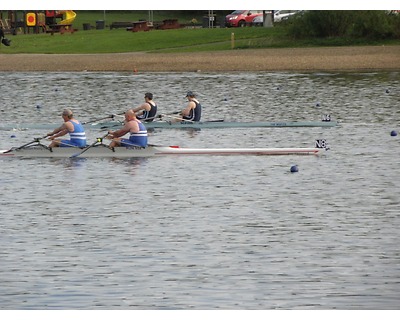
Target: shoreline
346	59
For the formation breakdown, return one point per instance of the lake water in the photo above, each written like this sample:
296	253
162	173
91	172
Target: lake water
203	232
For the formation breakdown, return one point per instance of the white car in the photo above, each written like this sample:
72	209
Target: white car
279	15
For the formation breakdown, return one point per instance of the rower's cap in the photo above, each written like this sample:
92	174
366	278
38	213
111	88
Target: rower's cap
67	112
190	94
148	95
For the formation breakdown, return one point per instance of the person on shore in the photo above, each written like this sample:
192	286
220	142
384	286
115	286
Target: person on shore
146	111
3	39
192	112
73	127
133	126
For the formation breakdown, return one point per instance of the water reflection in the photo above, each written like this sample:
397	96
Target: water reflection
69	163
131	165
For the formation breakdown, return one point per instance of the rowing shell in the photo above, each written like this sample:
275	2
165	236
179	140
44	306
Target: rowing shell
220	124
217	124
103	151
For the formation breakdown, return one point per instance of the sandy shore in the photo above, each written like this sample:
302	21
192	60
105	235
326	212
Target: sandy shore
369	58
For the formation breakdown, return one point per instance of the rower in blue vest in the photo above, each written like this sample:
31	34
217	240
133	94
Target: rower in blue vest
146	111
192	112
71	126
133	126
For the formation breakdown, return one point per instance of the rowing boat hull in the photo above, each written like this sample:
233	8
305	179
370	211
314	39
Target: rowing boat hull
183	125
223	124
102	151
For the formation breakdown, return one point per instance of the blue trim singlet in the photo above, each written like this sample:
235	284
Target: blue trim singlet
195	114
77	138
150	115
136	138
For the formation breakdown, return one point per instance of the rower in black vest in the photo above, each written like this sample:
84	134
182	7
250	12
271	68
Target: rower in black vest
192	112
147	111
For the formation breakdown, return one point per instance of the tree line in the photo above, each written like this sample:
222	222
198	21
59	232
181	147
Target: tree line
371	25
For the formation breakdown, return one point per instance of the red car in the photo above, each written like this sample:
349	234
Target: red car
241	18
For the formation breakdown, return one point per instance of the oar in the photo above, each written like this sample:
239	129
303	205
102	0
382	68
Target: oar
114	125
179	118
27	144
152	118
88	147
174	112
161	115
156	117
112	116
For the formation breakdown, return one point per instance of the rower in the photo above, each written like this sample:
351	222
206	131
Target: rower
192	112
71	126
146	111
137	130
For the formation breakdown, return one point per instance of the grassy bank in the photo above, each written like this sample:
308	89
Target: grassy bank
120	40
178	40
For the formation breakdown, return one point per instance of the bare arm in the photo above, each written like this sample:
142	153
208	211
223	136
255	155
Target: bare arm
117	133
62	127
131	126
60	131
140	109
186	112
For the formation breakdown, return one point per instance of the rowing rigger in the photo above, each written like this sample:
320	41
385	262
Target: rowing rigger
101	150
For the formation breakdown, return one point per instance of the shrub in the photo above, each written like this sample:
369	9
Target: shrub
372	25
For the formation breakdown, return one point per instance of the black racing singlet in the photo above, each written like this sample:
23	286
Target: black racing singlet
149	116
195	114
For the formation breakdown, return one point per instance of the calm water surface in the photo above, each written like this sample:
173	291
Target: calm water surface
201	232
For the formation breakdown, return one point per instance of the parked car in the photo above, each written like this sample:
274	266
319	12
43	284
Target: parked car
241	18
279	15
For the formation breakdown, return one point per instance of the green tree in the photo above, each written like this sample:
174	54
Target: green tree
342	23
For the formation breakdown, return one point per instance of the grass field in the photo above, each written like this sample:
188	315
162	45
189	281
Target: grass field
177	40
120	40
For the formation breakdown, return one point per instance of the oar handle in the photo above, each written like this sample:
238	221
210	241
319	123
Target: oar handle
152	118
179	118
